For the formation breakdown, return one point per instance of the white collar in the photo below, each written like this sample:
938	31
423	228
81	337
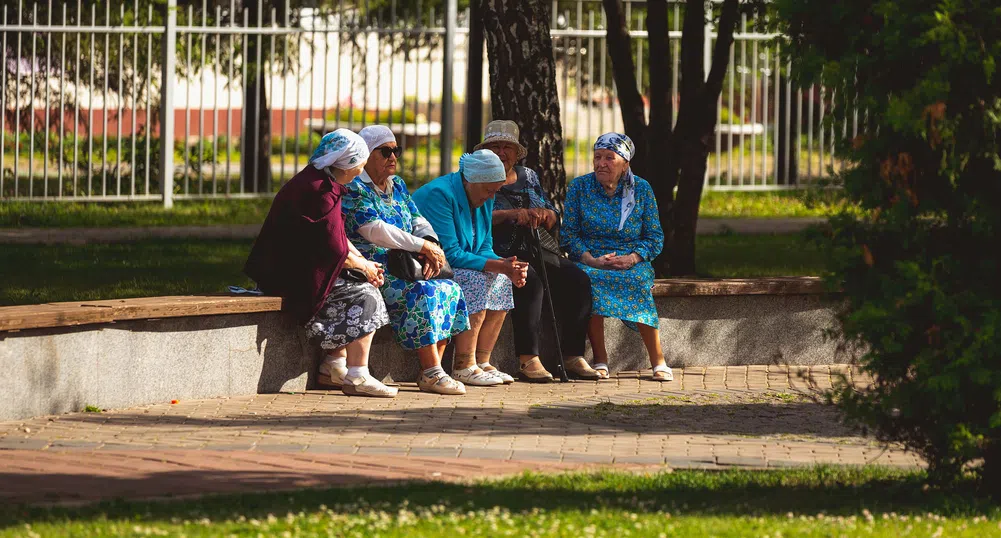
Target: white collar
368	179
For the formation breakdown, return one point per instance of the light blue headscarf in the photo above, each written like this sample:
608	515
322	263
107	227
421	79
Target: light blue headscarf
624	147
482	166
342	149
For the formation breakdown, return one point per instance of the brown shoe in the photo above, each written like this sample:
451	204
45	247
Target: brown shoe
579	368
532	371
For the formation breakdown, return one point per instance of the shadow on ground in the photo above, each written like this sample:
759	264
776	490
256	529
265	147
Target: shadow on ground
650	415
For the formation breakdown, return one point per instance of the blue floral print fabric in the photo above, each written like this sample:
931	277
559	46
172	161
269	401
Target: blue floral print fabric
591	224
422	312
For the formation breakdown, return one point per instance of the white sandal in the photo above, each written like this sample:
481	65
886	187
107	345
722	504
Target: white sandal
477	378
491	369
367	386
331	376
601	368
662	373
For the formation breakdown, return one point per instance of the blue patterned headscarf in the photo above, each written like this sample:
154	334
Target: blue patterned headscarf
342	149
624	147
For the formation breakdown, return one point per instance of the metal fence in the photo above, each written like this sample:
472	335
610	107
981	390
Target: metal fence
241	94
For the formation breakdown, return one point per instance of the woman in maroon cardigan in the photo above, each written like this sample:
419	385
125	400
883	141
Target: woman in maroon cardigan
303	255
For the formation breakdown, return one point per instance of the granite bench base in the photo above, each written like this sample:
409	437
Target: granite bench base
127	363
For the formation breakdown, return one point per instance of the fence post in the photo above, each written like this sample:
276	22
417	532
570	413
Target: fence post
167	105
451	16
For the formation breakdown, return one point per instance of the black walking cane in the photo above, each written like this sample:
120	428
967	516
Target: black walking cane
537	254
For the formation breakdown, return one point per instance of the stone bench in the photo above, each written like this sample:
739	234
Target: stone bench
60	357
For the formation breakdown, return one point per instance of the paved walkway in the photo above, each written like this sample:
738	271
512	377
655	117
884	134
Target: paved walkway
713	418
79	236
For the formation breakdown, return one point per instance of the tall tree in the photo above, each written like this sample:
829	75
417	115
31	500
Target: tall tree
523	83
684	149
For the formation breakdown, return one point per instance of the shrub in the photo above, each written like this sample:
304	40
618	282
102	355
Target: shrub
919	267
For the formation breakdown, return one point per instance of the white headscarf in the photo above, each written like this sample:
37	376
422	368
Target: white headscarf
377	135
482	166
624	147
342	149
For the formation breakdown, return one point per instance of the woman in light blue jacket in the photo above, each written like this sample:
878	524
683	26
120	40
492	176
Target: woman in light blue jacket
459	207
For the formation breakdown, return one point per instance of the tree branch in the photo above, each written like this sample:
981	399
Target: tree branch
661	102
623	72
721	51
693	36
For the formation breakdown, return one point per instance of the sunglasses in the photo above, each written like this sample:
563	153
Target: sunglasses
387	151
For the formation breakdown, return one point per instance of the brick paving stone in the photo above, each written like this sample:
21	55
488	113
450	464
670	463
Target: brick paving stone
708	418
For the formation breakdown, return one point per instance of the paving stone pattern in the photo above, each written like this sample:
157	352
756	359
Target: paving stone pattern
708	418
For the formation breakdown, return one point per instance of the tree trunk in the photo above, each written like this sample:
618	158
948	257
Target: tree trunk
255	162
624	73
695	129
523	83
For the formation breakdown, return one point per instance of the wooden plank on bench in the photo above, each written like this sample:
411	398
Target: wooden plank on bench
106	311
53	315
187	305
690	287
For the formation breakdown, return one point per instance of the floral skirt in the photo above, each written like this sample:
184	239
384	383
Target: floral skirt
424	312
349	312
625	295
484	291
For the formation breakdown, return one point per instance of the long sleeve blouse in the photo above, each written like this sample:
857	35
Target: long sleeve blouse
591	221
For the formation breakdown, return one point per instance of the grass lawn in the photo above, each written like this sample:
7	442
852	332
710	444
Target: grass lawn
814	502
801	203
35	274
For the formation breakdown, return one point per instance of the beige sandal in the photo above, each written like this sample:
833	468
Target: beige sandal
535	374
579	368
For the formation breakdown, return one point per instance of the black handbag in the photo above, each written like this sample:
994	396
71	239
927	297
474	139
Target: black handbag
353	275
406	265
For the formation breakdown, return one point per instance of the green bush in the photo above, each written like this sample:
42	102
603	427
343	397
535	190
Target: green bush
919	266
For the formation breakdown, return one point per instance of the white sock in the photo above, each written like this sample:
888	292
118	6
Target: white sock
355	372
434	371
336	362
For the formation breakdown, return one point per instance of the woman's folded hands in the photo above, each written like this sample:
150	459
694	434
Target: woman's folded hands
611	261
434	259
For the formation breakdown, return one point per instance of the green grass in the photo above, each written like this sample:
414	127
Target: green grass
772	204
36	274
184	213
746	256
805	203
826	501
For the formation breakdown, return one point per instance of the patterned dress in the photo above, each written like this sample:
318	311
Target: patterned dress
422	312
591	224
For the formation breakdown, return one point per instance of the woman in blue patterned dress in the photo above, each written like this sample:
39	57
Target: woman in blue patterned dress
611	228
380	215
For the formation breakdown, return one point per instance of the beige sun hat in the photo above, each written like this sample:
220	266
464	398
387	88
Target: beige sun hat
503	131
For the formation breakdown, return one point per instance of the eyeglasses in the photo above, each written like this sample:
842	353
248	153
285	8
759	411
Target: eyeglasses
387	151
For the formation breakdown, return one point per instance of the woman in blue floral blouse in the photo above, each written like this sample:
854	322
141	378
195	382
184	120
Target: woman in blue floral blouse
611	228
380	215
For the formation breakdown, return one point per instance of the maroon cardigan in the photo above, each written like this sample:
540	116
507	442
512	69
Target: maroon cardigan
302	245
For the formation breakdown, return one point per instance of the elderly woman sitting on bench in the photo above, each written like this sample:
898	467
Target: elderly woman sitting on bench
611	228
459	207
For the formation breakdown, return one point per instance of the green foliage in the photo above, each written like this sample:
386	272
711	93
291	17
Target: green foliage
920	267
92	409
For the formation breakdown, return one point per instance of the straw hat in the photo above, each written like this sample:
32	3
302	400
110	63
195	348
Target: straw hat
503	131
